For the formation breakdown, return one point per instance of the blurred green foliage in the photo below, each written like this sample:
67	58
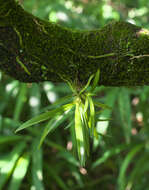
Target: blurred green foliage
119	158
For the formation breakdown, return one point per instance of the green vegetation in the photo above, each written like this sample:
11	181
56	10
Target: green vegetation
119	153
85	116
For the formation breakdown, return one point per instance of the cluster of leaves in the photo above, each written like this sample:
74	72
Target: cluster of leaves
83	123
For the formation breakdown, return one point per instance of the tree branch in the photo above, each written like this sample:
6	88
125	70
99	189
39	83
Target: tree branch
34	50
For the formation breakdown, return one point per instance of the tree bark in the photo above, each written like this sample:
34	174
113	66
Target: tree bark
34	50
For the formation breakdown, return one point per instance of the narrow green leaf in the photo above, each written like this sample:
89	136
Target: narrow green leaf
6	96
86	105
96	80
9	139
106	113
73	138
37	161
71	86
35	94
100	105
39	118
87	85
20	101
59	102
125	104
62	100
124	166
19	172
79	135
7	167
85	127
53	124
139	169
45	116
107	154
69	157
92	116
104	119
85	132
70	124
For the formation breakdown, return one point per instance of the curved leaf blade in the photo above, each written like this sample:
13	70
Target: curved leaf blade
45	116
79	135
87	85
96	80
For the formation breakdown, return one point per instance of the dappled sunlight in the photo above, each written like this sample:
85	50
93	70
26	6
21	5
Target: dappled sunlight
34	101
52	97
143	32
39	175
11	86
49	89
102	126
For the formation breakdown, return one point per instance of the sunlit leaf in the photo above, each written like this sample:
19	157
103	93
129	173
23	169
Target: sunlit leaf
19	172
85	129
35	100
79	135
62	100
9	163
53	124
110	99
96	80
45	116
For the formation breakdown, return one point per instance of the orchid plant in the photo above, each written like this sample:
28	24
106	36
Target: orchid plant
83	108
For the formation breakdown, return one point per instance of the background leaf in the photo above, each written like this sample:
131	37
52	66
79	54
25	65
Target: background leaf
37	174
19	172
125	112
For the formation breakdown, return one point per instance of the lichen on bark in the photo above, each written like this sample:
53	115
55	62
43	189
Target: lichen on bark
34	50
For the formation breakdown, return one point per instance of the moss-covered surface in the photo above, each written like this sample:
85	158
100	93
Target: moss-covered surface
33	50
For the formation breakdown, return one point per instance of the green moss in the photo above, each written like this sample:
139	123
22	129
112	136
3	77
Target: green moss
52	52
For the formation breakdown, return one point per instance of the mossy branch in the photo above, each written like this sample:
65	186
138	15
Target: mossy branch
34	50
